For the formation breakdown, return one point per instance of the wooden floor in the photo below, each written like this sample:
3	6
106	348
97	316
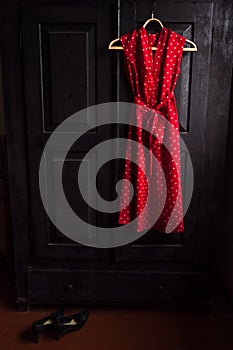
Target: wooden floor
121	328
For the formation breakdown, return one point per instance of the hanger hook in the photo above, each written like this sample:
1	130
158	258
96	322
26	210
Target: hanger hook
153	10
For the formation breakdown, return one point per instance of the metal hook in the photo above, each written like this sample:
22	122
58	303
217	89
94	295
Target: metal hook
153	11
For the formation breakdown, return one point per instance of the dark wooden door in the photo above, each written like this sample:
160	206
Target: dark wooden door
66	66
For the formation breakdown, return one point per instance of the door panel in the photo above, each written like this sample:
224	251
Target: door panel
67	64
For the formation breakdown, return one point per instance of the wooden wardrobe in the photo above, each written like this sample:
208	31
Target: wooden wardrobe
55	61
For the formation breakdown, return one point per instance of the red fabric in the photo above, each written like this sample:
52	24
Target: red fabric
152	76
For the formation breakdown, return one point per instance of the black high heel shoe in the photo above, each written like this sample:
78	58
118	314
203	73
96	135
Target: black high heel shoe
71	323
46	323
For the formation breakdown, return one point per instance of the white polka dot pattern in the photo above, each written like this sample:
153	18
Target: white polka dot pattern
152	77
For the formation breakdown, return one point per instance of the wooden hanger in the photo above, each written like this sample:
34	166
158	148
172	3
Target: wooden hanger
111	47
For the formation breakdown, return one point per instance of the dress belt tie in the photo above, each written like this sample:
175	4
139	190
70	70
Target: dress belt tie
156	122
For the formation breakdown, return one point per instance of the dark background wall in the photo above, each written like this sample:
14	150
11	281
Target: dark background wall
2	126
2	183
225	231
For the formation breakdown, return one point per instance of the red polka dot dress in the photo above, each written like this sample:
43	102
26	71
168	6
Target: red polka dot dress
152	76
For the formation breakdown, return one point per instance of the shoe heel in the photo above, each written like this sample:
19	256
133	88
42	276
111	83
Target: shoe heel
35	336
58	336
